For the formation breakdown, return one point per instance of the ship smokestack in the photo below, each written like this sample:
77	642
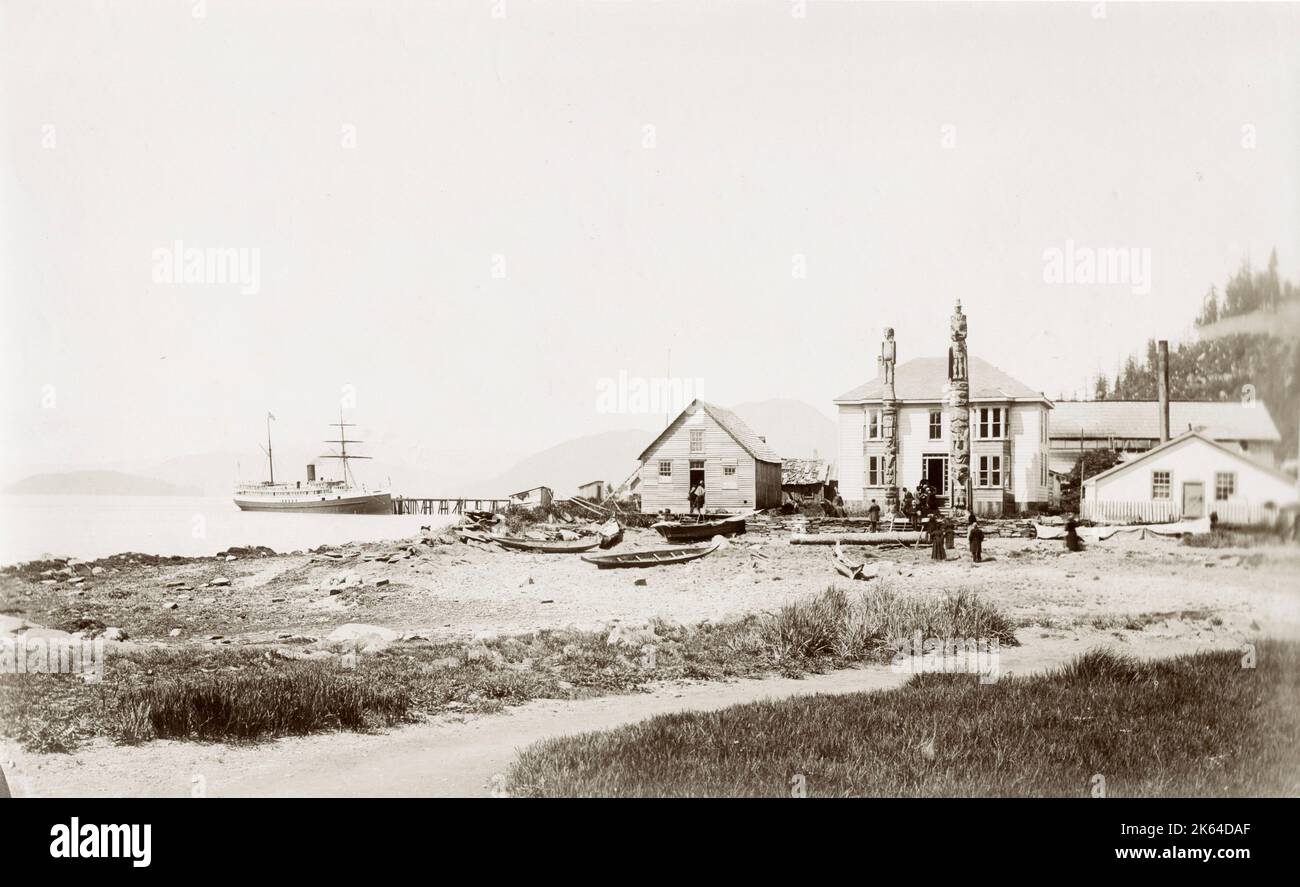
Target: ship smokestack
1162	386
311	472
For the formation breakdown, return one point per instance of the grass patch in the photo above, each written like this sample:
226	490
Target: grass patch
1198	725
304	698
1232	538
251	693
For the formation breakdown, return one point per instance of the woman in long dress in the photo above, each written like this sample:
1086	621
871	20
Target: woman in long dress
976	538
936	539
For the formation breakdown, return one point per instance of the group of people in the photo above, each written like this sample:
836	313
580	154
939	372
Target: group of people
916	508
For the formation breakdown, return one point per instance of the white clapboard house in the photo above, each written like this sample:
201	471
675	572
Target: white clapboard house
1008	436
1188	477
706	442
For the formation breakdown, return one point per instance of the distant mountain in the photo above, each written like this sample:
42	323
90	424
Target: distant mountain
610	456
793	428
796	430
97	483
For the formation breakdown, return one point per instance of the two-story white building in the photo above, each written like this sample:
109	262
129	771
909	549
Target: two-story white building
1009	446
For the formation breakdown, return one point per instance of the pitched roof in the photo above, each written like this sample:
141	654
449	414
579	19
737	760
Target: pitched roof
1180	439
731	423
926	378
1218	420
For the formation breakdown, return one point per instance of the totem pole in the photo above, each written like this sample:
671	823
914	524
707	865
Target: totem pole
960	494
889	423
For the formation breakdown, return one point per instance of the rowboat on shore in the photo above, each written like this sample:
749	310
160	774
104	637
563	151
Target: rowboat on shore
697	531
552	546
650	557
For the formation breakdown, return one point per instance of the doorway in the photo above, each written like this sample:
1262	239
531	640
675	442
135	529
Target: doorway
1193	499
696	477
934	471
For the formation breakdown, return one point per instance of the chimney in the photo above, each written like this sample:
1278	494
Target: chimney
311	472
1162	386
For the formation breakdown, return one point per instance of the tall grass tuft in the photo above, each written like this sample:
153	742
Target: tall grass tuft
838	625
303	698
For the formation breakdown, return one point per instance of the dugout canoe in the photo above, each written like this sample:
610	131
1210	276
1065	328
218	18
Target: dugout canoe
650	557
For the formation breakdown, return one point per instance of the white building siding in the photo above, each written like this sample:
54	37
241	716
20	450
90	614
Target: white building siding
1023	440
1190	461
851	469
1029	453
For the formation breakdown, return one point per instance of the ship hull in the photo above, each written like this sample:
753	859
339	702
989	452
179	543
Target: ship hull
374	503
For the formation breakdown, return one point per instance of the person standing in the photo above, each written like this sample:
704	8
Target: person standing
936	538
975	536
873	517
908	508
697	495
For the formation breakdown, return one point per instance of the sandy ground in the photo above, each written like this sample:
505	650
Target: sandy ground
1150	598
455	591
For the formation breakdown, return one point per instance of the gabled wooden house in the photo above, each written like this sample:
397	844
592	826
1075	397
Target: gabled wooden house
705	442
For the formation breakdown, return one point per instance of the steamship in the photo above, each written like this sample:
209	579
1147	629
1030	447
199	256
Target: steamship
315	496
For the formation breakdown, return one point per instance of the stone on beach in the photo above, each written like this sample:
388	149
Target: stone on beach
361	637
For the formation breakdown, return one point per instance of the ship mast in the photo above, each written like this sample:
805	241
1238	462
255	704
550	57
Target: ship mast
270	462
343	446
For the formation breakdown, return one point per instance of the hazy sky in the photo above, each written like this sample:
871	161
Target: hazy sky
472	218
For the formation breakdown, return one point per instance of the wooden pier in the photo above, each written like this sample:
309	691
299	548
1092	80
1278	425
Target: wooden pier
458	505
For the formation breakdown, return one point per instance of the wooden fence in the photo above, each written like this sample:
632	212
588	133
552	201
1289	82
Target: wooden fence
1168	510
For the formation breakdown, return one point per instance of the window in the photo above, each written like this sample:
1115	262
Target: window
729	475
936	424
1225	485
875	471
697	440
666	470
1160	485
728	470
991	422
873	424
990	471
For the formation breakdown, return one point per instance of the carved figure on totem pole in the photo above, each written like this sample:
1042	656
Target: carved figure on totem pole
959	411
888	357
957	353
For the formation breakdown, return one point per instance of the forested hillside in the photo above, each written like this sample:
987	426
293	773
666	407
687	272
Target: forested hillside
1247	344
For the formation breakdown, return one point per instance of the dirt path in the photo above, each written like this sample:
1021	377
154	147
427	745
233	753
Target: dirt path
467	757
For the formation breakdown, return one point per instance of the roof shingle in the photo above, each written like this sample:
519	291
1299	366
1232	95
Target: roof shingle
926	378
1140	419
733	425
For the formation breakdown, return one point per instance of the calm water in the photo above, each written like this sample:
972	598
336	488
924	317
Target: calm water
96	526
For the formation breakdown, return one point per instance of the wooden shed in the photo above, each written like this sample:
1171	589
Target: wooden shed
593	490
705	442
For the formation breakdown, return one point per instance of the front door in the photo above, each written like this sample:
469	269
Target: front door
697	476
1193	499
935	471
